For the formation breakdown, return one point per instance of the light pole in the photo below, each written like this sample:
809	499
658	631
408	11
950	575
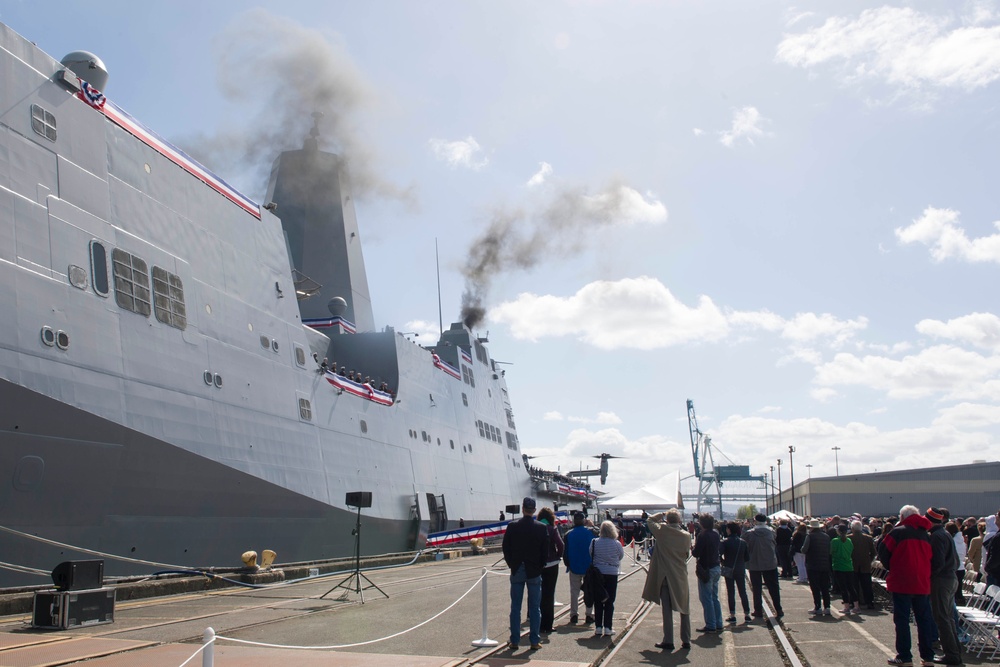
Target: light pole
779	486
810	466
791	472
836	458
767	504
772	490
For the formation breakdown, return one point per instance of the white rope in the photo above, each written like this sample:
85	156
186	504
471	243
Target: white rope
91	551
195	654
205	571
371	641
25	569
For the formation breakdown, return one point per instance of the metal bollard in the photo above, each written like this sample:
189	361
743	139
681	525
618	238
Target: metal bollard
208	655
485	642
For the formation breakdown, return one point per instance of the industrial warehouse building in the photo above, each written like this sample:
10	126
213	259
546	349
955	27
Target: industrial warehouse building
966	490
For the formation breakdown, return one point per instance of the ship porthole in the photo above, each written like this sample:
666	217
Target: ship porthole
62	340
146	167
274	344
218	380
28	473
208	378
364	426
48	336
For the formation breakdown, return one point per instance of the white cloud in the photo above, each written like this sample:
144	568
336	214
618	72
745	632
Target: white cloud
801	328
980	329
628	203
601	418
461	153
943	370
938	228
544	170
769	408
698	132
823	394
428	332
637	312
969	415
746	124
902	47
641	313
758	441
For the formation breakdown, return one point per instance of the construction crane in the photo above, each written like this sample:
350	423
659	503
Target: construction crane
704	462
710	476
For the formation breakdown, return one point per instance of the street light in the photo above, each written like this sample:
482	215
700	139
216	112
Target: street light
810	466
779	485
772	490
836	458
791	472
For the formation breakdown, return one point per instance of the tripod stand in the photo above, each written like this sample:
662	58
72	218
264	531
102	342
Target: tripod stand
356	576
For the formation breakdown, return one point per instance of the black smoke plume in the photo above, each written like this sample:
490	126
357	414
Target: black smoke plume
279	74
520	239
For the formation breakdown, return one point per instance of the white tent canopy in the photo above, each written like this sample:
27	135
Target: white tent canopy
639	499
785	514
661	495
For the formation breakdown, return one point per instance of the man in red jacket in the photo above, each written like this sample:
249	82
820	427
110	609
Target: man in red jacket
906	553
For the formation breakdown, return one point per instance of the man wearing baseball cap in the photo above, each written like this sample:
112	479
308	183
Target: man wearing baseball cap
944	562
525	549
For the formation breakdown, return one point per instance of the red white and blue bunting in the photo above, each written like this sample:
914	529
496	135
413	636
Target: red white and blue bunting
575	491
360	389
485	531
466	357
124	120
446	367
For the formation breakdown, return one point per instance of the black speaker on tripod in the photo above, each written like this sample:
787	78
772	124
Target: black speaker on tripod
357	499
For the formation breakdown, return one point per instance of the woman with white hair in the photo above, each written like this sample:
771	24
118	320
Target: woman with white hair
607	553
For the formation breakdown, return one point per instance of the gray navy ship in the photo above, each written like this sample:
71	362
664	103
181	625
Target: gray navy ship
186	374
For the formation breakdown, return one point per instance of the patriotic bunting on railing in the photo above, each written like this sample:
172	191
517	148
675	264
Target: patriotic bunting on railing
122	119
361	389
446	367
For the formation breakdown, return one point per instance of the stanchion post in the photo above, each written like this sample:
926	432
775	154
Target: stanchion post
208	655
485	642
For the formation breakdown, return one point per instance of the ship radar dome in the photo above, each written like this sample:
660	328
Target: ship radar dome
88	67
337	306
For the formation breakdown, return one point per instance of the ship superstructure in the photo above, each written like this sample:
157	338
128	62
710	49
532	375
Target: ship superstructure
185	374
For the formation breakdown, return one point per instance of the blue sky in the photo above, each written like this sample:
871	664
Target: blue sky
786	213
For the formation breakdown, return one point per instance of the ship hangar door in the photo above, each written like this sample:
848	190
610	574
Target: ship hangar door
436	512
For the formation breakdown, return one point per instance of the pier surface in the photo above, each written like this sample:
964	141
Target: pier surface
340	630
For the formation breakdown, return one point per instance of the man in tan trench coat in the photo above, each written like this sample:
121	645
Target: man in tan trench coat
667	580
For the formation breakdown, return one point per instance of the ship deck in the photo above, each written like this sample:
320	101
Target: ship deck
169	630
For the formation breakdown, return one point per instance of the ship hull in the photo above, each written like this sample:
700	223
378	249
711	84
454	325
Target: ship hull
81	480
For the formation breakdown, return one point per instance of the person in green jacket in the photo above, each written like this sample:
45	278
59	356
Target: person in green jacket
841	550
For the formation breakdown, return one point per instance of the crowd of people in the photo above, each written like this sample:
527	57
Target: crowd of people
925	558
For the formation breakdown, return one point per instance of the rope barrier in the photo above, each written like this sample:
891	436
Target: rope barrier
24	569
365	643
208	660
177	569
